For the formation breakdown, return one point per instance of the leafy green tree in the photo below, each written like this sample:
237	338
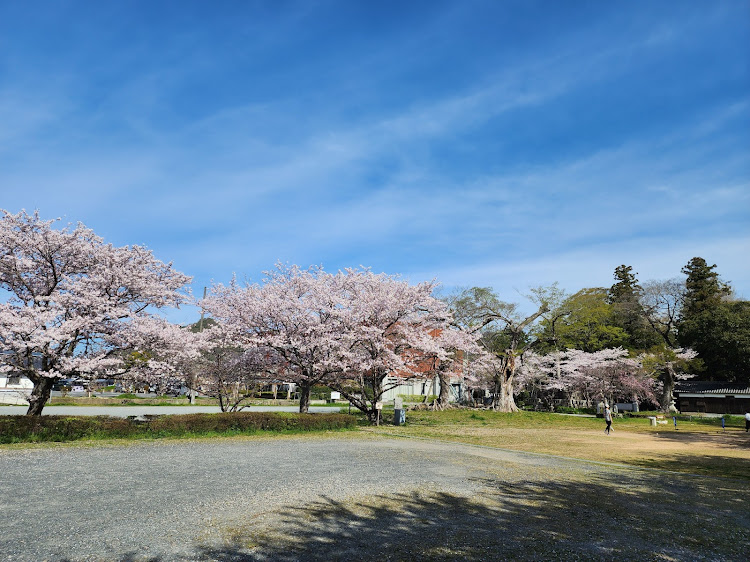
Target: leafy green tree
202	324
588	324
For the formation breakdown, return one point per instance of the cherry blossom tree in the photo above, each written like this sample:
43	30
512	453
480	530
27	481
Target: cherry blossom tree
668	365
225	370
297	313
156	352
538	374
460	348
606	375
72	303
358	332
398	332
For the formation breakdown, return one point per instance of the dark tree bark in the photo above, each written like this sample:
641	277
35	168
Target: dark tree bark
304	398
39	395
370	391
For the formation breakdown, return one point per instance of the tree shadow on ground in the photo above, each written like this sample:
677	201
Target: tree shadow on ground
629	515
728	467
729	439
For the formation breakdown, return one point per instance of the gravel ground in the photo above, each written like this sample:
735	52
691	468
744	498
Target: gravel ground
351	496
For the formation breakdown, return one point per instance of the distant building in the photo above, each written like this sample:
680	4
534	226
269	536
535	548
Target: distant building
418	388
14	389
712	397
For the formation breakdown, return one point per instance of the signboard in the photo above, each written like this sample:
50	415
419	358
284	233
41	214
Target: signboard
378	405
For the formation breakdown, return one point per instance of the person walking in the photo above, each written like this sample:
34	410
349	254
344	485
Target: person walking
747	422
608	418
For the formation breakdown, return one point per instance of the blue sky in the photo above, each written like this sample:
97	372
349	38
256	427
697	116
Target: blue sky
504	144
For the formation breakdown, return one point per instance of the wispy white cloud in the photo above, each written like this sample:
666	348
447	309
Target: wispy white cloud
341	175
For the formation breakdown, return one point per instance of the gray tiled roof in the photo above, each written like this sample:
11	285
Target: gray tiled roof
712	387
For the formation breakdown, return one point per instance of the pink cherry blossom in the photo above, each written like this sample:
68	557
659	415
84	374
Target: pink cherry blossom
74	303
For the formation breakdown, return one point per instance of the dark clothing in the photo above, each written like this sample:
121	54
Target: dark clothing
608	419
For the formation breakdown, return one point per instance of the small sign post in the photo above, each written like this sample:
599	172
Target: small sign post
379	408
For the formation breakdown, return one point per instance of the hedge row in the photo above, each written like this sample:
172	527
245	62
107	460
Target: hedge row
19	429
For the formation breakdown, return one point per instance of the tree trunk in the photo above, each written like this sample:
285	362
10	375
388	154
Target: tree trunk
372	415
223	401
505	400
304	398
443	400
39	396
668	379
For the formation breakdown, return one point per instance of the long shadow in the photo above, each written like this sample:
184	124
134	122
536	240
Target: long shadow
710	465
129	557
633	516
730	439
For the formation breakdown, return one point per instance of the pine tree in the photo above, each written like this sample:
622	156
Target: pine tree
628	314
704	290
700	326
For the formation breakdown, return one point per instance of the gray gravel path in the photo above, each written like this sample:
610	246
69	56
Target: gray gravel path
174	500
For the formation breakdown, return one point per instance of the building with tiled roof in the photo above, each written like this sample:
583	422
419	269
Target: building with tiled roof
715	397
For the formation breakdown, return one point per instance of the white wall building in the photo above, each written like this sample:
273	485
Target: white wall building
14	389
417	389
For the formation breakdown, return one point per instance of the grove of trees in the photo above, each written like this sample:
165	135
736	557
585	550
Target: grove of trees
73	306
354	331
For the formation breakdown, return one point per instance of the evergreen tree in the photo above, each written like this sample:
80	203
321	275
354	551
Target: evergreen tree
703	289
627	312
626	286
713	326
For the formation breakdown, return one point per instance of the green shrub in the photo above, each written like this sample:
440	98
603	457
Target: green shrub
567	410
417	397
18	429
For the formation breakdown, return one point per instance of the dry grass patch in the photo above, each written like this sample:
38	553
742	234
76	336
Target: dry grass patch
694	447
